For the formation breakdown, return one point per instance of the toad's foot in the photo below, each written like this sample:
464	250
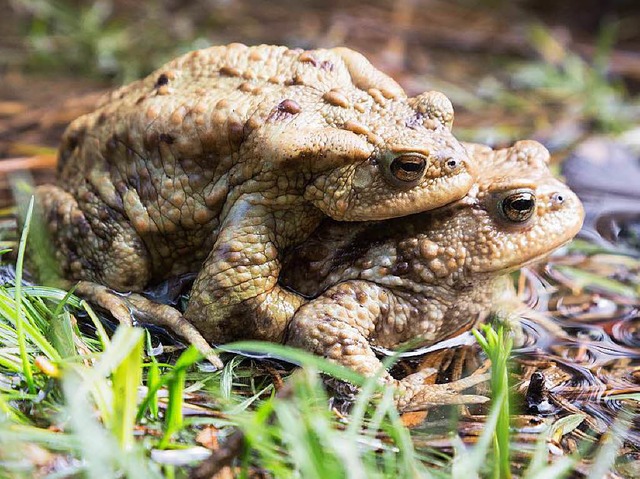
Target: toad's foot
414	395
126	308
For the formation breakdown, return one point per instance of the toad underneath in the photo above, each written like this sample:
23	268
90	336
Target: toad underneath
426	277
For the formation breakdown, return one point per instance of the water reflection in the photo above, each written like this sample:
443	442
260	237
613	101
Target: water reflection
587	349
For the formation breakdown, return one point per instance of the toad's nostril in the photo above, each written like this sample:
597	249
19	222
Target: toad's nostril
557	199
452	163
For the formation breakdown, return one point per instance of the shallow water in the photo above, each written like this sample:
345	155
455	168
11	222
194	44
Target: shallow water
592	358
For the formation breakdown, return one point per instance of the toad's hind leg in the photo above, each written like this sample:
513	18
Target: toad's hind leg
339	325
96	245
92	240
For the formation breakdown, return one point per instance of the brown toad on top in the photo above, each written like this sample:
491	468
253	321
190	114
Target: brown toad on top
224	157
427	277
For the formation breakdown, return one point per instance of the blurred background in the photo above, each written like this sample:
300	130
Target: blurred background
513	69
564	73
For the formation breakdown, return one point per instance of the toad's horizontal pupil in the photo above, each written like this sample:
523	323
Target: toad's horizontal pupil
411	166
408	168
522	204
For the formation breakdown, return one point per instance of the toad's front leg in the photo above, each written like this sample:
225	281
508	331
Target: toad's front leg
339	325
131	308
236	294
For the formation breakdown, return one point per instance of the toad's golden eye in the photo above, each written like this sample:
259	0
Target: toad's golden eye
518	207
408	168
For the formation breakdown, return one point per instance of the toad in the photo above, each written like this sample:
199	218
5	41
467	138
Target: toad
222	159
424	278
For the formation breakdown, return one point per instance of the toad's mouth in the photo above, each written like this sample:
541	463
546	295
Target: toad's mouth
529	261
541	256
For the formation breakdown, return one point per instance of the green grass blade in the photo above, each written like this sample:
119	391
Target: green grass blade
497	346
184	361
125	382
48	292
300	357
60	334
153	379
173	415
7	412
100	452
19	319
595	282
102	334
468	462
8	308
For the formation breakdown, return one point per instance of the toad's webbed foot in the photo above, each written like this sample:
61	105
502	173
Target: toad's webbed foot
414	395
129	308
